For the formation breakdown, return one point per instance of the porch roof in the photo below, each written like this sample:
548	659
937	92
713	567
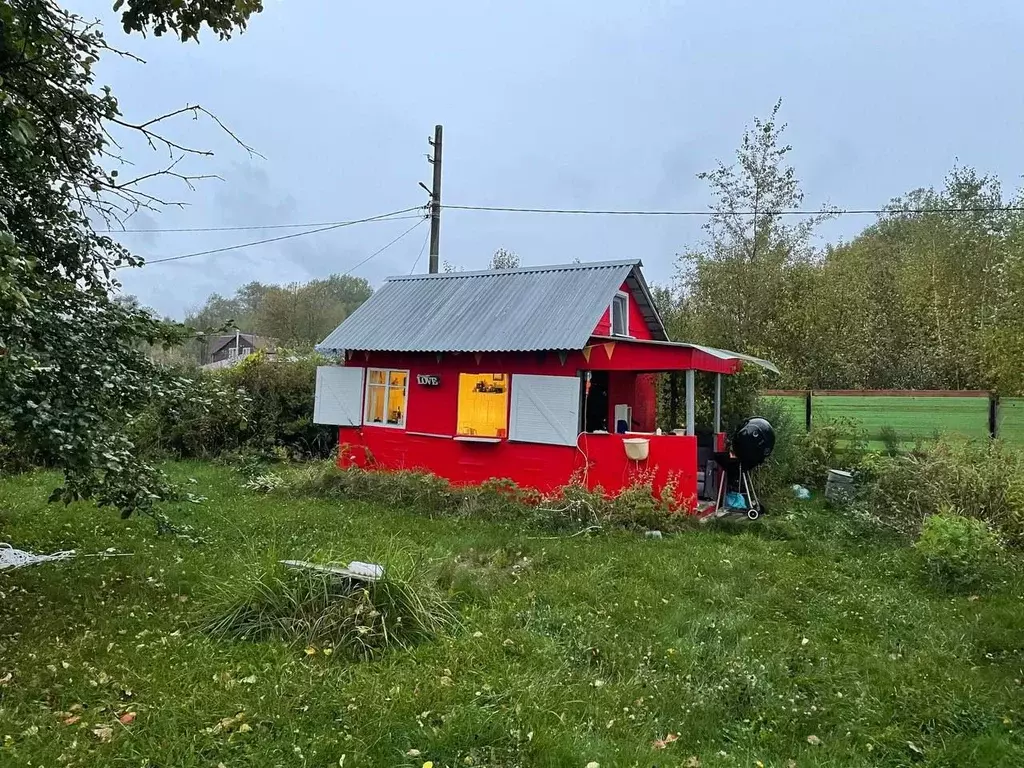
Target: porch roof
616	353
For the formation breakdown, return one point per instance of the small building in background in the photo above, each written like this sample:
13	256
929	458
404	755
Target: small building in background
542	375
225	350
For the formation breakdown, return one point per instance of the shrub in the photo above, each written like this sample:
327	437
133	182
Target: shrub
784	466
198	416
890	440
281	405
833	444
260	406
805	458
264	483
957	552
978	479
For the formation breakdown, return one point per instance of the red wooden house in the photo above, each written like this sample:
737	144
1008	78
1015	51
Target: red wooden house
544	375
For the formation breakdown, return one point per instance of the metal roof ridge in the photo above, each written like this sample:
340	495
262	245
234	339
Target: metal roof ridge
521	270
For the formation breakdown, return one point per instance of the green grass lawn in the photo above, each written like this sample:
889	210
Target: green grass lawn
914	418
786	644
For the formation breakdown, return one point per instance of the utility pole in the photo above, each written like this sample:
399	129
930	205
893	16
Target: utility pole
435	200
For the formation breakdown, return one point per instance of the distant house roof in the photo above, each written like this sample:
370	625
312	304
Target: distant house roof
515	310
252	340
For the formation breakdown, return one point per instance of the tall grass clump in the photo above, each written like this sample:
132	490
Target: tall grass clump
355	619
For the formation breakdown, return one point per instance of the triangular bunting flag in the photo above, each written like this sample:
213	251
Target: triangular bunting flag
477	356
609	348
586	353
563	356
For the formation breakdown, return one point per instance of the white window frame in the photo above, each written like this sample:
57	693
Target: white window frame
387	392
611	315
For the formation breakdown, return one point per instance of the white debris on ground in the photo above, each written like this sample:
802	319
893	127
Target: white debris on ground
356	570
11	558
18	558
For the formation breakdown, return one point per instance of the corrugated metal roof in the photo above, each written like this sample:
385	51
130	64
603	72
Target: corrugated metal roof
518	310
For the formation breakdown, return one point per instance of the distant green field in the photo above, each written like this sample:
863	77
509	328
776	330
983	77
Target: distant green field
915	418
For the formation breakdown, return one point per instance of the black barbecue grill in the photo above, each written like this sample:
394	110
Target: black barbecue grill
750	447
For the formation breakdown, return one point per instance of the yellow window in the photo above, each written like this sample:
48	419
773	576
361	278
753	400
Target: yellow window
386	397
483	404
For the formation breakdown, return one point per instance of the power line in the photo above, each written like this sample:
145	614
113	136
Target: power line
382	217
420	254
820	212
573	211
384	248
240	228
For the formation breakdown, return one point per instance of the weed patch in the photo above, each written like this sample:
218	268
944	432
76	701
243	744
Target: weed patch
572	508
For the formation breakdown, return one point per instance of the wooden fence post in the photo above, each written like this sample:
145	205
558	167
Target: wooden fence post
993	415
807	411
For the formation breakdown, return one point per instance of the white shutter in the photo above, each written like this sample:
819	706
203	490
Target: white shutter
339	396
545	409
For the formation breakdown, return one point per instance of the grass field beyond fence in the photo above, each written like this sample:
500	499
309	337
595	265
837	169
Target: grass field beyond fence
914	417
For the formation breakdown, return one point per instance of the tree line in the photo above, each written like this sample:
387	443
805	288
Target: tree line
294	315
928	296
297	315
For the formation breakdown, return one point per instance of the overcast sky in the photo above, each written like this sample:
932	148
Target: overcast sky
552	104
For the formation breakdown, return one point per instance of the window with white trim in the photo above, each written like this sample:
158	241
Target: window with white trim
387	395
620	314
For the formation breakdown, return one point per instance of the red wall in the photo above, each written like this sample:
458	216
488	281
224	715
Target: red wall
598	461
431	414
637	325
434	410
636	390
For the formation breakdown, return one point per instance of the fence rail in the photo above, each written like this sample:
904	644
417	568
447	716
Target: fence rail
911	414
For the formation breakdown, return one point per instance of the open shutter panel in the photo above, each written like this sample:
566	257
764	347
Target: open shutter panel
545	409
339	396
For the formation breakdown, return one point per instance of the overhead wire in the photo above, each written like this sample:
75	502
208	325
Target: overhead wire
578	211
384	248
239	228
420	254
787	212
393	216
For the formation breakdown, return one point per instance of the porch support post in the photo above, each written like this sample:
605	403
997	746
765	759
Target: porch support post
690	403
718	403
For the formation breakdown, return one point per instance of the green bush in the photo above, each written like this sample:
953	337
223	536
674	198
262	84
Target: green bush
280	413
957	552
260	407
834	444
785	466
805	458
199	415
890	440
979	479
